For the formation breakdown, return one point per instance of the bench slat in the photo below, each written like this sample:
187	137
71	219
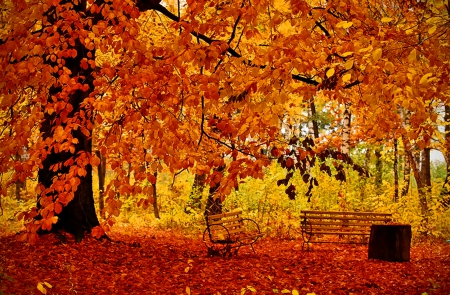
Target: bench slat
368	224
346	213
348	229
218	216
337	233
346	218
223	221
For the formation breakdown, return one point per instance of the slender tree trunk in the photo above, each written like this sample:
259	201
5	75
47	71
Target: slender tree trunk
445	192
20	185
78	211
408	156
155	197
101	171
346	131
378	171
196	194
313	126
406	176
395	170
422	187
366	168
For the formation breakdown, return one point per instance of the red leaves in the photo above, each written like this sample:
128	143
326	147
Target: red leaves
150	261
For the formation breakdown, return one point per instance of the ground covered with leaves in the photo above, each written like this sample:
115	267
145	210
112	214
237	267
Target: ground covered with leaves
157	262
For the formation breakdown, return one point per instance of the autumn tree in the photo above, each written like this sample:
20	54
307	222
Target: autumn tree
203	85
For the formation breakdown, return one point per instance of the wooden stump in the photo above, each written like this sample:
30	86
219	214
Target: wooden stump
390	242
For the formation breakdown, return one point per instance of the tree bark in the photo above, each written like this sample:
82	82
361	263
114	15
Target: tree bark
313	126
445	192
196	194
78	212
155	197
422	187
346	131
214	203
395	170
379	171
101	171
406	176
390	242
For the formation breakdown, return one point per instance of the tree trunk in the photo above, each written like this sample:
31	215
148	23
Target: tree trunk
346	131
422	187
20	185
395	170
379	171
101	171
406	176
312	123
78	211
390	242
155	197
214	203
195	197
445	192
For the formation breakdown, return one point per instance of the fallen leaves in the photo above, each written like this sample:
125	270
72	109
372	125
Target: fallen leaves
155	262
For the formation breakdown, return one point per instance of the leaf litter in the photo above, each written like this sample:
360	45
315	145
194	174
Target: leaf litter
166	262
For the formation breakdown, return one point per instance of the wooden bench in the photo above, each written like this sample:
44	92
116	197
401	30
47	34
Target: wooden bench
228	231
317	223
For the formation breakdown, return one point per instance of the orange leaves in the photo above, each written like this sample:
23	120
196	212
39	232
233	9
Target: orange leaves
46	224
97	232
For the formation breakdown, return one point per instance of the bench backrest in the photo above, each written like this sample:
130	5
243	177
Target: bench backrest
330	221
225	226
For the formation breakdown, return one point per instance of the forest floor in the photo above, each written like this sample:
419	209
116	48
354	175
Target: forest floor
156	262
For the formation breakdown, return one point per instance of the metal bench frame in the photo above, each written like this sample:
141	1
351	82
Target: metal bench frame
314	223
228	231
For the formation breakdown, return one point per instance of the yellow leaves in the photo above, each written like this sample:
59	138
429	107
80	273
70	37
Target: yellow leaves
330	72
432	30
424	78
41	288
412	55
386	19
376	54
348	65
348	53
346	78
344	24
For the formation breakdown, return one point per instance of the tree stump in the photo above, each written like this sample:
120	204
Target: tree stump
390	242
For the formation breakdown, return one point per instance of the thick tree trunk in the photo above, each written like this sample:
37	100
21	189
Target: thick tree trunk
395	170
390	242
78	212
214	203
101	171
